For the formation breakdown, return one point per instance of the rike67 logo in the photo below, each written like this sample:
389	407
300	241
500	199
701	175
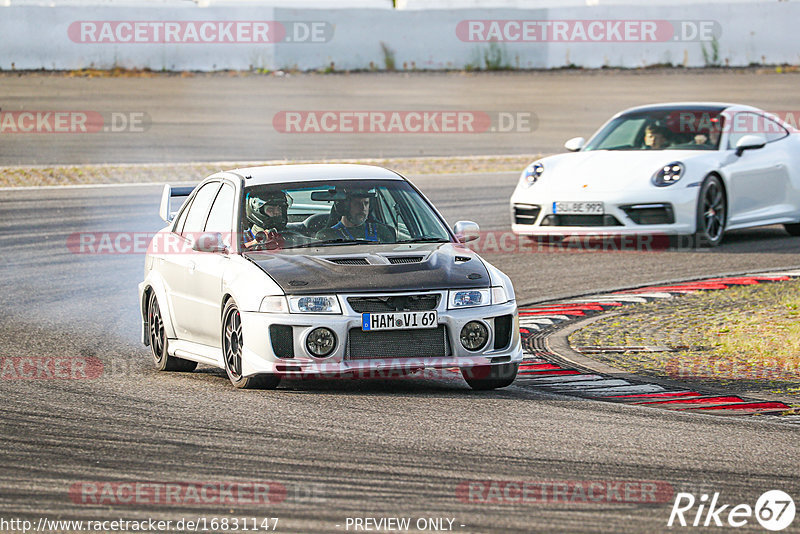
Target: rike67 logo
774	510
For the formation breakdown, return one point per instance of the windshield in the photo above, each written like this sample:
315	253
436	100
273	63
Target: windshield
337	212
665	129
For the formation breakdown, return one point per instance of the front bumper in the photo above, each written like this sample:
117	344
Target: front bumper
679	201
259	357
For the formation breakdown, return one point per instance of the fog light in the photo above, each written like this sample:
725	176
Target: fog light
474	335
320	342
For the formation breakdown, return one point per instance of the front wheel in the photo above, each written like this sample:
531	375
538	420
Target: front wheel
232	343
157	335
793	229
485	377
712	212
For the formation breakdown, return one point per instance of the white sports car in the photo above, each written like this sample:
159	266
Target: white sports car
695	169
322	270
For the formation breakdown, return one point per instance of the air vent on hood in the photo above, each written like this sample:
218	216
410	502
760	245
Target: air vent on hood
349	261
404	259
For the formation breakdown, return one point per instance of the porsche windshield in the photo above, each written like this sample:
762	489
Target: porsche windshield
670	129
338	212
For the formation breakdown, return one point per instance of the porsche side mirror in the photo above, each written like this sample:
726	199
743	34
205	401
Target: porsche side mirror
750	142
466	231
575	144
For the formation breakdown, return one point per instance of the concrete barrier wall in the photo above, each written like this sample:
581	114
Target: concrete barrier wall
53	38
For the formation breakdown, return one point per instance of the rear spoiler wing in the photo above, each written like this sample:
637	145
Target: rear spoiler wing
165	210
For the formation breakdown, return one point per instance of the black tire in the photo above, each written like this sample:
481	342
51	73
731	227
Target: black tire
232	352
712	213
793	229
485	377
158	341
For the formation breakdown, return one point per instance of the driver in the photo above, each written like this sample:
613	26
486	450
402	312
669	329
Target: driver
267	216
655	137
355	222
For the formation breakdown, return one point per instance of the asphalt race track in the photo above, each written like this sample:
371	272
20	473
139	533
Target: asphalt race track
341	449
230	118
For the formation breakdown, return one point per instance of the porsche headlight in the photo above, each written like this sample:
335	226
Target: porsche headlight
668	174
314	304
532	173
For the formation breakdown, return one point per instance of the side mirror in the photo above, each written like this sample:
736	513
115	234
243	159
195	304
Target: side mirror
575	144
466	231
750	142
209	242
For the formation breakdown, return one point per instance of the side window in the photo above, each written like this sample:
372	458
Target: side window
221	215
198	211
747	123
181	220
773	131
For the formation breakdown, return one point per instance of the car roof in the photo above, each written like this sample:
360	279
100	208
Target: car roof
273	174
716	107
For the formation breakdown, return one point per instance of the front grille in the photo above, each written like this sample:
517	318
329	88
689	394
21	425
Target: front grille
650	214
349	261
502	331
421	343
404	259
282	339
394	303
526	214
580	220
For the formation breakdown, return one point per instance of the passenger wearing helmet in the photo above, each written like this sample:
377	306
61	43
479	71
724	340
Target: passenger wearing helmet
355	222
267	215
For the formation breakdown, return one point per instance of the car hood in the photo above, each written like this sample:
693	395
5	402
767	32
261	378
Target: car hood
315	271
604	170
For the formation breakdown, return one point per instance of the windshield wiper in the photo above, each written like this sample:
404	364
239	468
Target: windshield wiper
424	239
332	242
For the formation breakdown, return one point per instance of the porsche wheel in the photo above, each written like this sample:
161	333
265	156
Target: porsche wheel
793	229
712	213
232	343
157	335
485	377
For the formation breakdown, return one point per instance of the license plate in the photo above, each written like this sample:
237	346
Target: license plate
578	208
399	320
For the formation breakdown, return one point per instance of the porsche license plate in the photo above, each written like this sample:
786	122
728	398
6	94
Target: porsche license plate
399	320
578	208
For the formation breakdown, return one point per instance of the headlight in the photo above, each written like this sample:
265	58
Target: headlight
468	298
499	295
314	304
668	174
275	304
532	173
320	342
474	335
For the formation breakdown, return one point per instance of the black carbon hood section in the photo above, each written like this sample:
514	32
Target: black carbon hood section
307	271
